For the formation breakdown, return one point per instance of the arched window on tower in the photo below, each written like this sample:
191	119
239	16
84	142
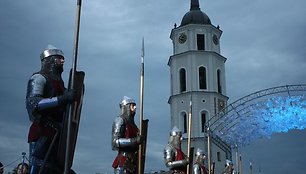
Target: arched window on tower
219	81
182	80
204	116
184	123
202	78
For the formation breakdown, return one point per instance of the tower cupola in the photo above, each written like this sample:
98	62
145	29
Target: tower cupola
195	15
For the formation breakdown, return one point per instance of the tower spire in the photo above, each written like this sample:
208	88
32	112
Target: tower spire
194	5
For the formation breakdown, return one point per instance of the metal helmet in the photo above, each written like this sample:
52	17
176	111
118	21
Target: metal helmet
199	152
200	156
126	100
176	132
228	162
125	107
50	65
51	51
175	137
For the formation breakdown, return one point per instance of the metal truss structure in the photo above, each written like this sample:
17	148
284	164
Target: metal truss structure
260	114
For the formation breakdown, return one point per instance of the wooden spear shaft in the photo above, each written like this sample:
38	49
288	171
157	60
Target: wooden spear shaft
208	150
140	169
237	159
73	72
240	164
189	134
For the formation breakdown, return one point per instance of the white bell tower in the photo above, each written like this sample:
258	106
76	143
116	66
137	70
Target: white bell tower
197	72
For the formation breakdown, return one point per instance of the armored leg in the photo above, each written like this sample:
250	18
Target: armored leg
34	169
36	163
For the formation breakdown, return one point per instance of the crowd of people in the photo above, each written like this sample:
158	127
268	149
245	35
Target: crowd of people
126	140
21	168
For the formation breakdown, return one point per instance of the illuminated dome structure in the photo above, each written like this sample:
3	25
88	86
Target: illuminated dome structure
257	115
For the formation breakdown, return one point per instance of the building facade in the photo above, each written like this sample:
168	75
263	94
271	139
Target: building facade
197	75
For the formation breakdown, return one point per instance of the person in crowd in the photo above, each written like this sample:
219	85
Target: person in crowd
229	167
22	168
46	101
199	166
174	157
126	138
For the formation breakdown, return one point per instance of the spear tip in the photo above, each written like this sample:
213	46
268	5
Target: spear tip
142	49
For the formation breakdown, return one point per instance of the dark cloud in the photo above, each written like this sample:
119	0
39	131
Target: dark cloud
278	149
262	41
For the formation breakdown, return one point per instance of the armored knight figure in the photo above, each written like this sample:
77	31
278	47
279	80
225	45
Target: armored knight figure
229	167
126	138
174	157
198	166
46	101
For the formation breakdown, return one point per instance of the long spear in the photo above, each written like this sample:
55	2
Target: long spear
208	150
240	164
189	134
237	158
140	153
72	79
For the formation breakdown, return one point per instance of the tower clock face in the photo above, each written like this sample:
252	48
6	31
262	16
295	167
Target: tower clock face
182	38
215	39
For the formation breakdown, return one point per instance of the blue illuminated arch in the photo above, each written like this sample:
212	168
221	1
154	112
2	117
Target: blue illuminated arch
277	109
